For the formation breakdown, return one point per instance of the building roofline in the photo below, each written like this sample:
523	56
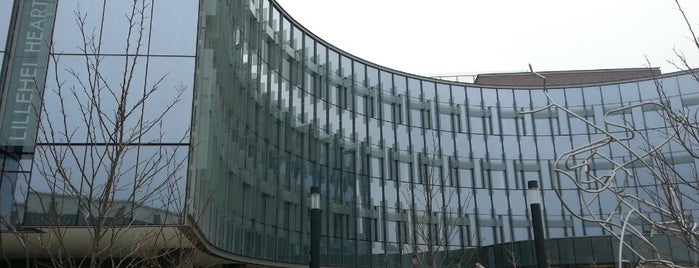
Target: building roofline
328	45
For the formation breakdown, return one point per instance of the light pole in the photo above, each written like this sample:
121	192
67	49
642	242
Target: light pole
535	206
315	227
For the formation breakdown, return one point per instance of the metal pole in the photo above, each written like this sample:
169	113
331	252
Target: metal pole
535	206
315	227
537	223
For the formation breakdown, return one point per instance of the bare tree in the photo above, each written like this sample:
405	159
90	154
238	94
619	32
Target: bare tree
100	161
435	221
651	191
511	254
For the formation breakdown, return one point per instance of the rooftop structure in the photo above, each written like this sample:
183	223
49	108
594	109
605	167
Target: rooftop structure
566	78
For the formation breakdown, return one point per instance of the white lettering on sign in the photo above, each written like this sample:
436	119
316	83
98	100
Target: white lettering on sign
27	72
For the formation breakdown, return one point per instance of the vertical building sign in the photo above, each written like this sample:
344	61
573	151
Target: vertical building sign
24	73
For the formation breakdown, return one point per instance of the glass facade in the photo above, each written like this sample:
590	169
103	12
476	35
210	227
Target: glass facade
115	120
278	110
250	109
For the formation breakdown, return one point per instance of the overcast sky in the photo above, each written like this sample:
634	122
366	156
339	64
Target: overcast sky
467	36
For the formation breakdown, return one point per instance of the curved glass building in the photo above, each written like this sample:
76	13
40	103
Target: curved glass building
396	155
406	164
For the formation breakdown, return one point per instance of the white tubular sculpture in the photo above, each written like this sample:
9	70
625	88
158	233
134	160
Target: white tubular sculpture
640	190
